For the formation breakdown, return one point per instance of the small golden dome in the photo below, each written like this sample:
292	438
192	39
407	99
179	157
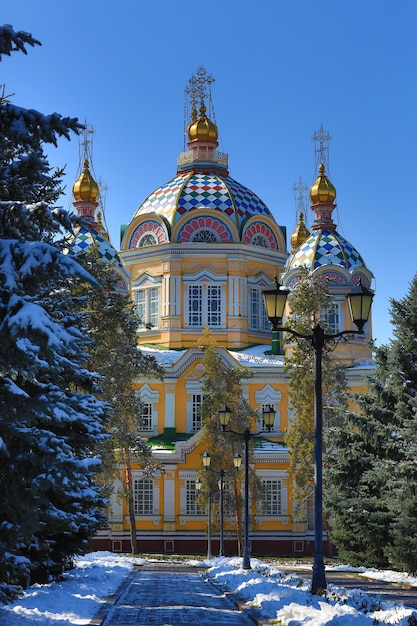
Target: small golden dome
300	234
201	128
322	191
100	227
85	188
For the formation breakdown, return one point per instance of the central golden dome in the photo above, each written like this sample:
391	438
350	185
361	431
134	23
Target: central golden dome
201	128
322	191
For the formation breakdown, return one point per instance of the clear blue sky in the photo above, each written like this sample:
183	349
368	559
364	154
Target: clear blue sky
282	68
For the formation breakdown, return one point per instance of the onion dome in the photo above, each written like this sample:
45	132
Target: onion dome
322	191
85	188
201	128
325	246
300	234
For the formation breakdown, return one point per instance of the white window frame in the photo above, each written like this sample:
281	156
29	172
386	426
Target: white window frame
258	319
205	306
265	398
272	497
191	494
147	307
149	397
332	315
205	300
196	417
280	478
143	496
146	417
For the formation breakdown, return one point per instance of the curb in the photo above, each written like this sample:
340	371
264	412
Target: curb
103	611
257	618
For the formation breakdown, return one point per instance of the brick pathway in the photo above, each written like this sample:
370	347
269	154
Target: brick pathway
167	595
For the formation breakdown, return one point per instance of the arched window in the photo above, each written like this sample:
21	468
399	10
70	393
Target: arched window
205	235
147	240
261	241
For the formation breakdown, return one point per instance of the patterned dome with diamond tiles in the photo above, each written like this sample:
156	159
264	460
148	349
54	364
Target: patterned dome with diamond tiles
85	238
326	247
190	191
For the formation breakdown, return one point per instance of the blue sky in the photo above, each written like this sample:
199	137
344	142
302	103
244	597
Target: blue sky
282	69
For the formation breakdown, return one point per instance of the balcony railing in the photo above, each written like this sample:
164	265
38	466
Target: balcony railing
202	156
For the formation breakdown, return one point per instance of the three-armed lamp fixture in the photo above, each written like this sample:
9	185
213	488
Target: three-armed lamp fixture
359	302
268	416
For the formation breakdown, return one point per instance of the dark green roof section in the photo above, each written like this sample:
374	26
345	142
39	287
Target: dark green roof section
167	439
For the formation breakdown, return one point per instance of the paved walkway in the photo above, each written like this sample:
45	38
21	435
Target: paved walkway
171	595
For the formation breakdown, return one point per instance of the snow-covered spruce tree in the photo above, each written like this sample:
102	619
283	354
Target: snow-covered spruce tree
402	381
372	481
112	324
222	385
361	456
309	304
50	418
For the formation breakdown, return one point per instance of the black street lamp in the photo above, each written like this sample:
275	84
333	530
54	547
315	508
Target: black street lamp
268	419
198	485
359	302
206	463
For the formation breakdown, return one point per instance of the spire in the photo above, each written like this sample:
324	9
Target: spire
322	192
202	133
89	194
322	139
301	232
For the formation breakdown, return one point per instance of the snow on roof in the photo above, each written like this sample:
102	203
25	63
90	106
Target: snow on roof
257	355
254	356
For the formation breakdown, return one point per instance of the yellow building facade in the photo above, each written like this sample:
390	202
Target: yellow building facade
197	254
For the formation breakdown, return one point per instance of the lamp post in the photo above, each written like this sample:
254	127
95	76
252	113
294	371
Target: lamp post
206	463
224	418
359	302
198	486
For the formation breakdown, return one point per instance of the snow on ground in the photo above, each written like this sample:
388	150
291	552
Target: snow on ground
279	596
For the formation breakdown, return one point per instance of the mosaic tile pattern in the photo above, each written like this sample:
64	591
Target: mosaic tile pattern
246	202
150	226
326	247
163	200
84	238
259	234
187	192
221	231
206	191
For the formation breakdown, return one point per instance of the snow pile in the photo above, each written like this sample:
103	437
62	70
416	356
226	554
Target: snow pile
287	599
279	596
74	600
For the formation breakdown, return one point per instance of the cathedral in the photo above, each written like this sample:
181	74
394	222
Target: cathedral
198	253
